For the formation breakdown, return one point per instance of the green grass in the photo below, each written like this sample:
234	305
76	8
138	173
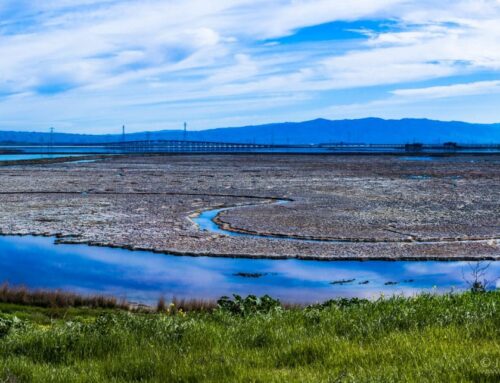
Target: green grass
451	338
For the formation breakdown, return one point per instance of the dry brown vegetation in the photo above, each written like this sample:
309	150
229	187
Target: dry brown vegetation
56	298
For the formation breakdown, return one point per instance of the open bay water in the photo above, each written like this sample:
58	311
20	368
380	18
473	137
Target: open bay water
142	276
24	157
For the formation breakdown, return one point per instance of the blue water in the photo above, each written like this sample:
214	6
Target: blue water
205	221
60	149
419	158
451	158
145	276
19	157
426	153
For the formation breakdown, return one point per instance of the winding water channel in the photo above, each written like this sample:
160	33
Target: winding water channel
142	276
207	221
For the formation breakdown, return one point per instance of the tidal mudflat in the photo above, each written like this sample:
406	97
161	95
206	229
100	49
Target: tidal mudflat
339	207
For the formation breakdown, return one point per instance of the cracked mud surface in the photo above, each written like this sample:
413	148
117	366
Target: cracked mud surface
382	206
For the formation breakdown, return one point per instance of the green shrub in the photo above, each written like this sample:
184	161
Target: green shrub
5	325
249	305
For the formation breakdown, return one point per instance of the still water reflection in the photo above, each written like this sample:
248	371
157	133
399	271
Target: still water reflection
144	276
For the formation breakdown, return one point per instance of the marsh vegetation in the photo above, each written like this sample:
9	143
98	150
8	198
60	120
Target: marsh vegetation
427	338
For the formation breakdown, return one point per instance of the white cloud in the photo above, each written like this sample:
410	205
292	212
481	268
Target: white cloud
161	52
456	90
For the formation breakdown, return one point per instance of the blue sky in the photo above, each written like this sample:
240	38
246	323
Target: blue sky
91	66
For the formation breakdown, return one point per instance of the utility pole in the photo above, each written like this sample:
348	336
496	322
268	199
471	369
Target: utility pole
185	132
123	134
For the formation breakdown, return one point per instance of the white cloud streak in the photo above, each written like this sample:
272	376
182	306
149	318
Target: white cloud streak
456	90
91	57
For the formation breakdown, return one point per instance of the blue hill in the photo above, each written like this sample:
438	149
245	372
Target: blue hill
369	130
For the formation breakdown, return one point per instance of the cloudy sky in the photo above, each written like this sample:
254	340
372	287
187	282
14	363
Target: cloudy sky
91	66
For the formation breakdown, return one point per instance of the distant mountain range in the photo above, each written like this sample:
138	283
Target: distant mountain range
368	130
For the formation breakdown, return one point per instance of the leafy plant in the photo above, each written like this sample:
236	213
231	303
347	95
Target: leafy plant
249	305
340	303
5	325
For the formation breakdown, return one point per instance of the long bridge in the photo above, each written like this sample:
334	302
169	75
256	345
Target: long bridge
178	146
185	146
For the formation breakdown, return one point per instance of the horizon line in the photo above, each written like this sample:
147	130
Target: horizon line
119	131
